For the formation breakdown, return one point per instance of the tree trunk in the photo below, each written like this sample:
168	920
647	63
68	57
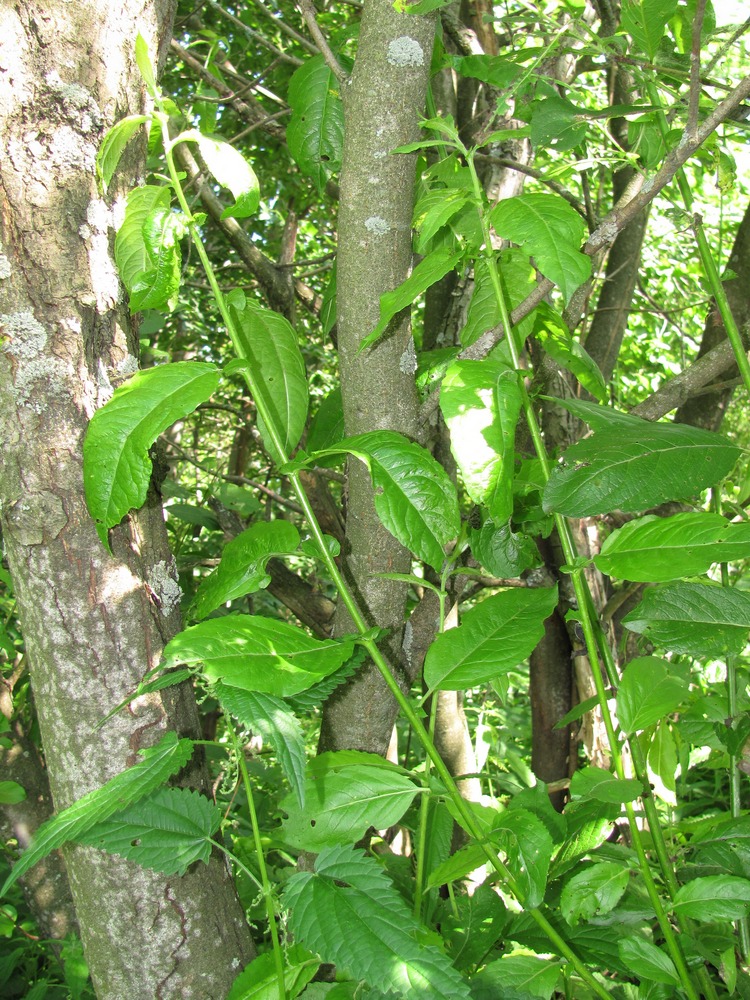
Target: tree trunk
94	623
382	104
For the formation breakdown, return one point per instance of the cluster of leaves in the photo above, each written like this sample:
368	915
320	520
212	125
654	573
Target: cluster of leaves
267	673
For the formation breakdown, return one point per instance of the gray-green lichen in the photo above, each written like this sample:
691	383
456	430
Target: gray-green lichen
26	343
377	226
405	51
5	268
166	589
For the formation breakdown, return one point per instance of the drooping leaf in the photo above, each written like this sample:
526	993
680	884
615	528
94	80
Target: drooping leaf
259	981
257	654
550	230
494	70
494	637
518	278
630	467
348	913
527	846
456	867
557	124
650	689
430	269
117	467
231	170
276	723
414	497
657	549
645	21
552	333
502	551
693	618
133	256
713	898
345	794
519	976
433	210
113	144
157	765
595	890
478	923
328	304
327	426
315	133
11	793
269	346
596	783
647	961
190	513
166	831
480	401
242	569
662	756
143	61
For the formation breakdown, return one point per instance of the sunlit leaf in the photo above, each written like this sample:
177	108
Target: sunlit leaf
650	689
315	133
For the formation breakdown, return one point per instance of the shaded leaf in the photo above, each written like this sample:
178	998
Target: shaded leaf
693	618
113	144
595	890
647	961
315	133
520	975
117	466
242	569
713	898
645	21
555	337
276	723
650	689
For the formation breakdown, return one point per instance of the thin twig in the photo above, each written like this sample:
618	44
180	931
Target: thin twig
287	29
538	175
308	13
254	35
695	69
737	33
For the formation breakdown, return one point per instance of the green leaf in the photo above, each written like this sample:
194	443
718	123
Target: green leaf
277	725
503	552
662	755
231	170
414	497
269	345
242	569
595	890
117	467
715	897
167	831
550	230
527	846
494	70
555	337
518	279
11	793
420	6
348	913
650	689
113	144
133	256
647	961
657	549
328	303
596	783
494	637
630	468
520	976
434	209
157	765
556	124
156	287
345	794
645	21
480	402
143	59
257	654
693	618
259	981
460	864
190	514
315	133
429	270
327	426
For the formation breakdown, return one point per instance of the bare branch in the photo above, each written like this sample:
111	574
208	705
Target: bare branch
695	69
308	13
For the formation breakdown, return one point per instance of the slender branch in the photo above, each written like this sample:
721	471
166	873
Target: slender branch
256	36
308	13
695	69
736	34
282	26
524	168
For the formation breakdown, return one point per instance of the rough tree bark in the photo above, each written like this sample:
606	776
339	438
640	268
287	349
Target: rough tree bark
94	624
382	104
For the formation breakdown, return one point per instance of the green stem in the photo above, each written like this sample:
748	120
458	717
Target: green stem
424	814
708	264
358	620
278	953
583	598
